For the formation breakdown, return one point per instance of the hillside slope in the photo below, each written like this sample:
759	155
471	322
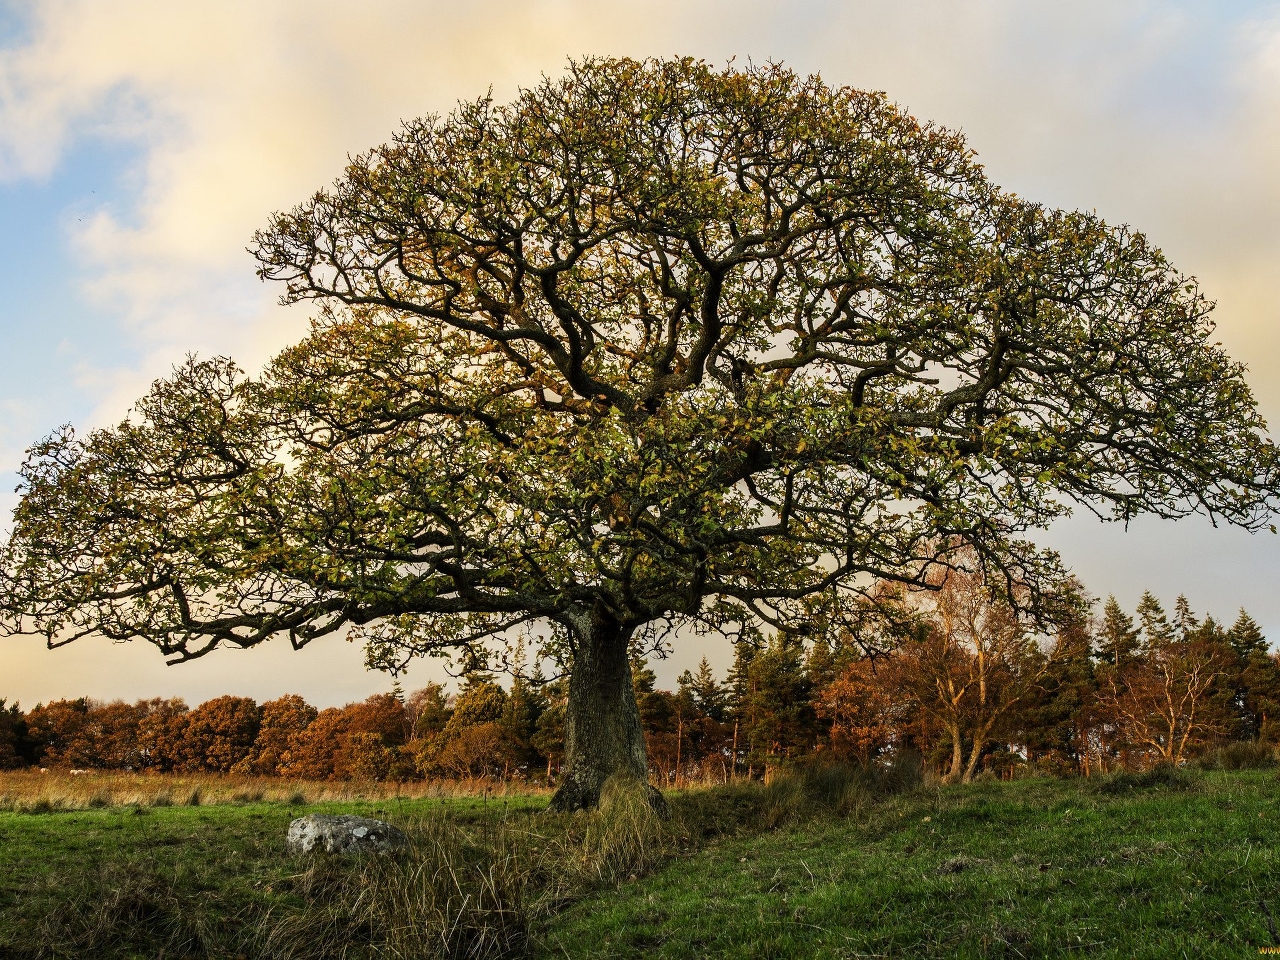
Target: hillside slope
1145	866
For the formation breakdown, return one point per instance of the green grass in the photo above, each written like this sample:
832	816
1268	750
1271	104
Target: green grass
821	866
172	880
1140	867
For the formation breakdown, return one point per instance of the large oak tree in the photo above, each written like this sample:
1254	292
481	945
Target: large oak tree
653	343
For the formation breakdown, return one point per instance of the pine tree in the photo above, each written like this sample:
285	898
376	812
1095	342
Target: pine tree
1157	631
1226	708
16	747
643	679
708	695
548	736
1258	679
1117	636
740	704
519	721
1185	622
1056	724
1245	636
738	682
822	665
783	721
657	707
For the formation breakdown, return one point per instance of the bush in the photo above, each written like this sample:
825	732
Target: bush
1161	776
827	789
1243	755
624	836
445	896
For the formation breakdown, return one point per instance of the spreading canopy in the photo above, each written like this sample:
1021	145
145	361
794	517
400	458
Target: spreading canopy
654	341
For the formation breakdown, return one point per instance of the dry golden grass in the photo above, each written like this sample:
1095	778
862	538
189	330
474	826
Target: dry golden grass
472	889
31	790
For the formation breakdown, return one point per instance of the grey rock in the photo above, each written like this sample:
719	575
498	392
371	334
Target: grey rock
342	834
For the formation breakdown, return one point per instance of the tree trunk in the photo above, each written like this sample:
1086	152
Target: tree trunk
735	749
679	742
971	767
980	736
957	755
603	736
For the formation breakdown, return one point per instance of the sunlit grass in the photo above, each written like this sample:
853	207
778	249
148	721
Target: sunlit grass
33	791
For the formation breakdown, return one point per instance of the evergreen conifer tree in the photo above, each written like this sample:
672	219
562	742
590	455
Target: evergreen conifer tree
783	720
1185	622
1117	636
1157	631
1258	679
1246	636
16	746
520	713
549	731
708	695
1056	721
1226	707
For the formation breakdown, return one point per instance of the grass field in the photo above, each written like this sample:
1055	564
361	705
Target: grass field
137	881
1127	867
1145	866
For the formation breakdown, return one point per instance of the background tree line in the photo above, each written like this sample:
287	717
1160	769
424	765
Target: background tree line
967	688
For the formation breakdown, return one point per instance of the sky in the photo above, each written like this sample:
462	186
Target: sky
142	143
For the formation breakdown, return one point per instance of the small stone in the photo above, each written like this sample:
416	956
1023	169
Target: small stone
342	834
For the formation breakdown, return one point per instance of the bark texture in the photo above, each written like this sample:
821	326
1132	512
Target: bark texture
603	735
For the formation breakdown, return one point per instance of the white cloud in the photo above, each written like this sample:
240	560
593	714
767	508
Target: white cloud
242	108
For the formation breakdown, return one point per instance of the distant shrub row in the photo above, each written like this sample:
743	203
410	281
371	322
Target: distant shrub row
484	731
